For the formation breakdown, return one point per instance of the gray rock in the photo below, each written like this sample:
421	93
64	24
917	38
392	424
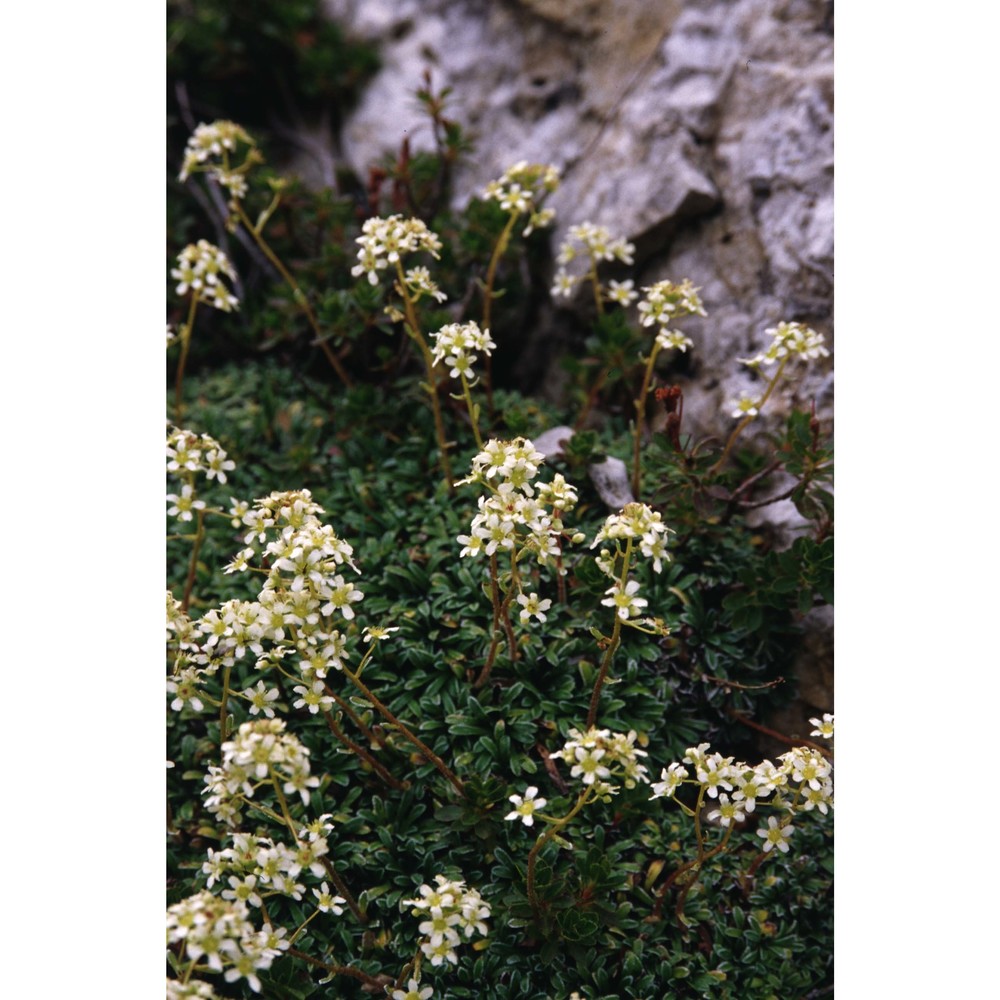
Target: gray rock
699	129
550	442
610	479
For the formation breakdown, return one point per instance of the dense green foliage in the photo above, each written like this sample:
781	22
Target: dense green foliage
368	453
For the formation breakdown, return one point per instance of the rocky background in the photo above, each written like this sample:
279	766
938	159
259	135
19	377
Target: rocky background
701	130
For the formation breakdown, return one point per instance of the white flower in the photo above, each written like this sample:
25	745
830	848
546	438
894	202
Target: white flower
745	406
261	698
714	773
199	268
183	506
563	284
625	601
788	340
313	697
212	141
524	808
413	992
775	836
807	766
385	242
727	812
824	727
243	889
668	339
588	765
376	633
522	189
622	292
670	780
666	301
326	902
532	606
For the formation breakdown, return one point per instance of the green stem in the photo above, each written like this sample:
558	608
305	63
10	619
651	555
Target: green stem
472	410
193	564
658	907
699	867
338	882
640	418
491	273
738	429
338	970
612	645
557	825
182	361
222	705
595	282
297	293
413	329
356	748
419	744
341	887
505	607
352	715
484	674
491	270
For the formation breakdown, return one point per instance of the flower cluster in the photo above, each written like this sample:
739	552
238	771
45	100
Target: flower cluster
260	752
506	468
193	989
801	781
388	241
600	758
213	142
666	302
291	621
597	244
259	866
452	912
639	526
210	149
521	190
790	340
189	453
636	520
218	933
199	269
455	343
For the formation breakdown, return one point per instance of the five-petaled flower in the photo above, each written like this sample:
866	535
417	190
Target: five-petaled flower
524	808
775	836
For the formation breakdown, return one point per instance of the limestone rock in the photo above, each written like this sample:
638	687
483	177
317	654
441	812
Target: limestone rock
699	129
610	479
